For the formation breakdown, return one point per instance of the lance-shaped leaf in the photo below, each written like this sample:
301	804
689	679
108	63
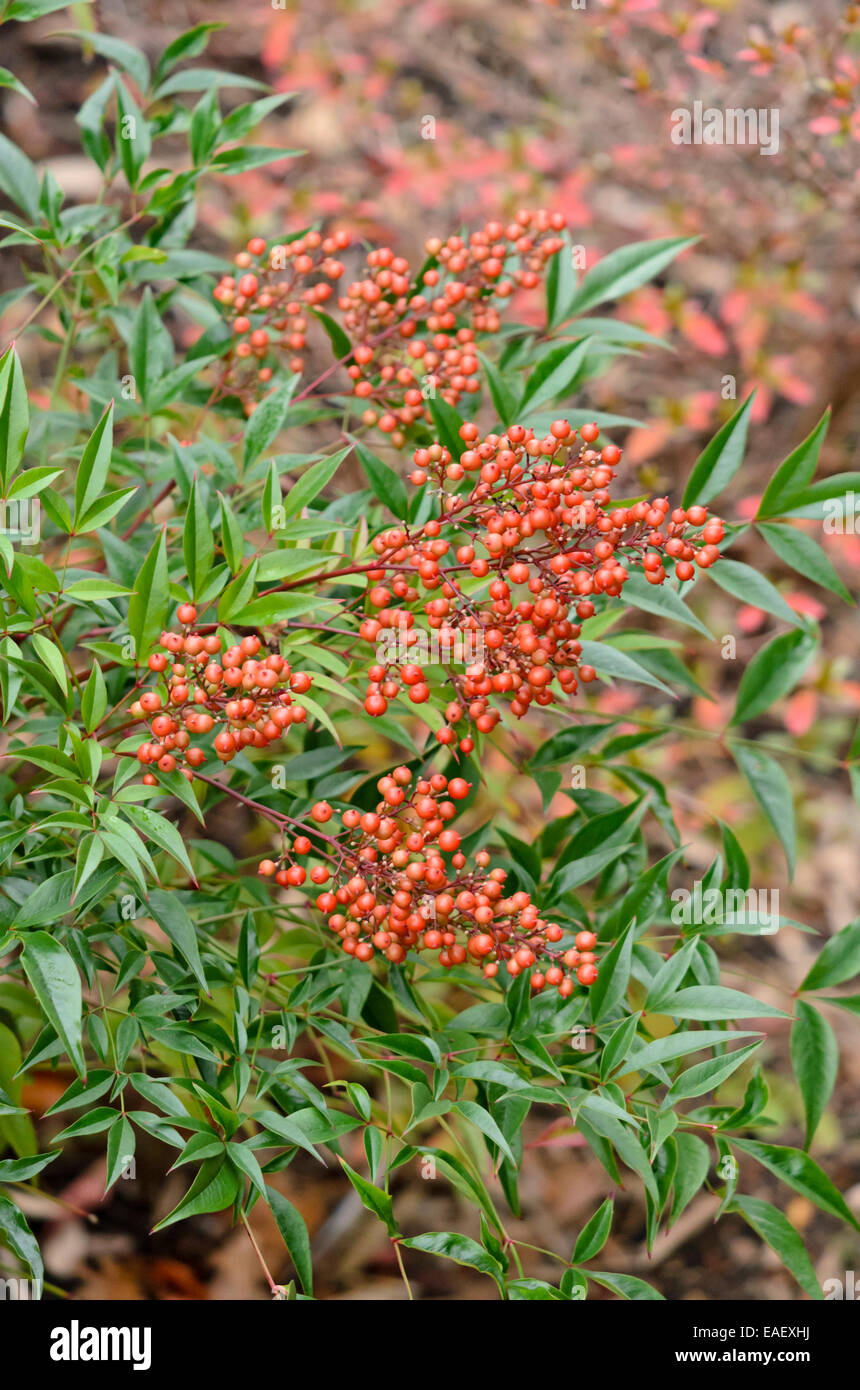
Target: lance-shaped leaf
373	1198
214	1189
171	916
14	407
815	1059
839	961
771	788
802	1174
785	488
93	468
295	1236
622	271
57	985
720	459
773	672
781	1236
147	607
19	1237
198	543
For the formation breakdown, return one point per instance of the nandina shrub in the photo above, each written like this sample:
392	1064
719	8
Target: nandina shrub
217	617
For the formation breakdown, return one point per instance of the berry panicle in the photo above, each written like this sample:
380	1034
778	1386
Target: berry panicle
246	698
395	879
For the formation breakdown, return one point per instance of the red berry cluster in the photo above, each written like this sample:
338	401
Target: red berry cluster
426	315
249	700
389	888
405	328
540	525
268	302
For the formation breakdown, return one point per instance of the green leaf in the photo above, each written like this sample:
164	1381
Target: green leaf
33	481
201	79
83	1093
57	985
373	1198
568	743
49	901
448	424
771	788
627	1286
295	1236
311	483
607	660
780	1235
693	1164
248	1165
503	396
117	51
839	961
147	607
50	759
19	1237
90	854
133	138
190	44
611	984
720	459
384	482
169	912
625	270
453	1246
663	601
232	536
679	1045
120	1149
204	128
198	543
670	975
19	178
52	659
788	482
150	349
8	79
802	1174
94	698
707	1076
103	510
555	375
20	1169
24	10
533	1290
773	672
802	553
815	1059
244	157
594	1235
745	583
484	1121
706	1002
14	409
215	1188
340	342
268	420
